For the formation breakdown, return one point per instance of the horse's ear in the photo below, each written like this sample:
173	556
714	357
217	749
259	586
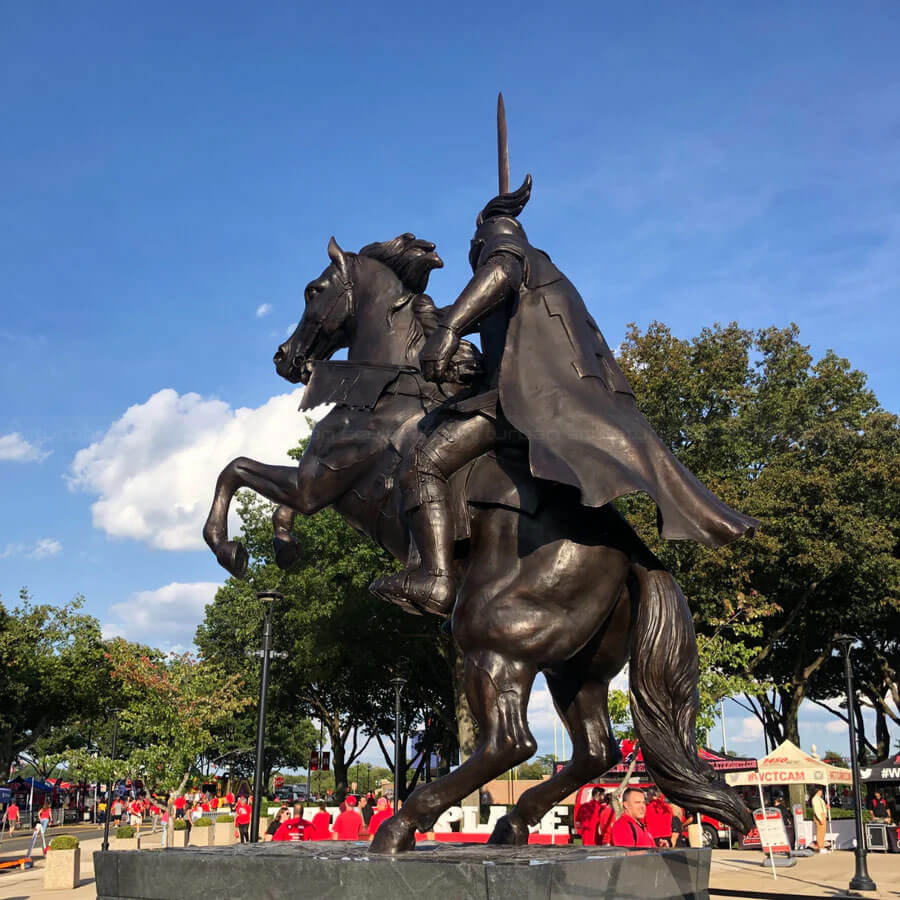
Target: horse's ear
338	257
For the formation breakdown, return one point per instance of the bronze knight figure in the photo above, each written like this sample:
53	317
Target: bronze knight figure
491	476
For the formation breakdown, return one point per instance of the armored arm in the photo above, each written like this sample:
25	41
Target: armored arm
492	284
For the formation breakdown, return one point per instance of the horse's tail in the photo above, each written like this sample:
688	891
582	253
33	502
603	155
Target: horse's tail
664	701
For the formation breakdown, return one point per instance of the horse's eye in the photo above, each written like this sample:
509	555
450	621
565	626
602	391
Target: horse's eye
311	292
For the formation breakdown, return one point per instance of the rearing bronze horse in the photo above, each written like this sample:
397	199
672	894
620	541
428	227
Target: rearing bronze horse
547	584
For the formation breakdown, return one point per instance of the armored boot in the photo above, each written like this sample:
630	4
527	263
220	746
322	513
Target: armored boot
431	586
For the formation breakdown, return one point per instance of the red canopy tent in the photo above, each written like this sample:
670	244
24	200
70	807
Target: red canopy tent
718	761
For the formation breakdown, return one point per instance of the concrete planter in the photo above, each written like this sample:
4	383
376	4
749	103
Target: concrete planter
224	833
202	836
180	838
263	824
126	843
62	871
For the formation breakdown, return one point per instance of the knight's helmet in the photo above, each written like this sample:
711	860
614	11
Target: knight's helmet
500	216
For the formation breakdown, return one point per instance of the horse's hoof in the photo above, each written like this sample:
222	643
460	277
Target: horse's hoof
287	552
510	830
233	558
393	837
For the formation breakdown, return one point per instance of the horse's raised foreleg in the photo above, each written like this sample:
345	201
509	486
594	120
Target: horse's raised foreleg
277	483
497	689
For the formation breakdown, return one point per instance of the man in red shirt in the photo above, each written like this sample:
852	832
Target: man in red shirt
659	820
382	812
179	806
295	829
349	823
229	798
587	818
629	830
12	816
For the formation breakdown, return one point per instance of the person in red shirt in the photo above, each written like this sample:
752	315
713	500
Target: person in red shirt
295	829
659	820
349	823
242	820
382	812
321	824
12	816
587	818
630	830
229	798
214	803
180	802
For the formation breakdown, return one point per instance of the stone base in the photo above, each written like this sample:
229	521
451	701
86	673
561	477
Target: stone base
458	871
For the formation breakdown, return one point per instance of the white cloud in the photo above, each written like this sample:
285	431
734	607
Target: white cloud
166	617
263	310
14	448
45	548
155	468
40	549
836	727
751	730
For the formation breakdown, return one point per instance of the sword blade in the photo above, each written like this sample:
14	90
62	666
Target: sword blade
502	147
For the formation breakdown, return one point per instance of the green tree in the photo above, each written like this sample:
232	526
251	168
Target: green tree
55	675
174	704
802	445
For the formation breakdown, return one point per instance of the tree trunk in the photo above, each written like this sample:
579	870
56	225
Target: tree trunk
790	724
338	761
862	750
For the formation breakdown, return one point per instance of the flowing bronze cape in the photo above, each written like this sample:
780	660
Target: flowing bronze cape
561	386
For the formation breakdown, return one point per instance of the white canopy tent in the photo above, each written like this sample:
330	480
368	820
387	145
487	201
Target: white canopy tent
787	764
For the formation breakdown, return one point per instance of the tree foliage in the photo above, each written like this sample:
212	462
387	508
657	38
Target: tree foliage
54	674
802	445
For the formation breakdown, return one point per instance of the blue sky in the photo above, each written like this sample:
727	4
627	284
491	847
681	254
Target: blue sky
171	174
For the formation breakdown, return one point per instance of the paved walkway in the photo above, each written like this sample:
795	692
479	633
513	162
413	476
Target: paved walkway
738	874
735	875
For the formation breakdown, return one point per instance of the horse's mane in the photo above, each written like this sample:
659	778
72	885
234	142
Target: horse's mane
411	260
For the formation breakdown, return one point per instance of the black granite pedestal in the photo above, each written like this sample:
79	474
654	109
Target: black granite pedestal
441	871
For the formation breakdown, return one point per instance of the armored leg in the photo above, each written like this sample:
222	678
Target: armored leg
432	585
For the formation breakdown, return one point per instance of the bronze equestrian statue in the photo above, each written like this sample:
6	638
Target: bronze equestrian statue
491	475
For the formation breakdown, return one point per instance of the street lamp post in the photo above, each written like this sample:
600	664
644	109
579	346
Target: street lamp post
861	880
398	682
268	598
109	788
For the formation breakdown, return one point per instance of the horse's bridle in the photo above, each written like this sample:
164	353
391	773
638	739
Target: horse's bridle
345	294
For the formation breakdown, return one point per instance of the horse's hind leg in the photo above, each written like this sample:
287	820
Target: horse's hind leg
497	689
580	691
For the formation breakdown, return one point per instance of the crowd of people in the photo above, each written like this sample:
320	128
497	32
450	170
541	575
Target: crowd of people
357	819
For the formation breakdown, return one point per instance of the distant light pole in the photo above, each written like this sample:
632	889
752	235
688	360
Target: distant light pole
398	682
861	880
268	598
109	788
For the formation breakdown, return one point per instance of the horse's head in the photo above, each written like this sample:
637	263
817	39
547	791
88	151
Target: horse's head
371	302
325	326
